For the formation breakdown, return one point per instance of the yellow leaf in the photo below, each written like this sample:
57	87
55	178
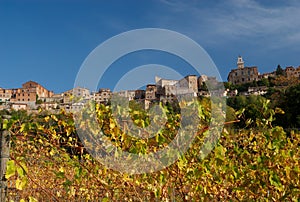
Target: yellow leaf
47	118
52	152
21	183
22	127
5	124
54	117
32	199
112	125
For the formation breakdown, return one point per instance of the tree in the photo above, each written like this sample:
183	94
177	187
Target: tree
290	105
263	82
254	83
279	71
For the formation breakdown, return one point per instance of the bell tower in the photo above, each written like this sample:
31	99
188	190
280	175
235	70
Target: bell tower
240	62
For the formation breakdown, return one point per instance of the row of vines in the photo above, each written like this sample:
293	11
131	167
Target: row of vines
48	161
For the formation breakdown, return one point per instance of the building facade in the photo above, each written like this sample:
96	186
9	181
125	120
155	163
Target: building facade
5	95
29	94
291	72
76	93
41	92
102	96
208	81
243	74
151	92
190	83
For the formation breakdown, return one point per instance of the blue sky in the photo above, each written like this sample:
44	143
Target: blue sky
47	41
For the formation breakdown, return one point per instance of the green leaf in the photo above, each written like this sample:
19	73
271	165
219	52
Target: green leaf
105	199
20	172
60	174
259	159
78	172
24	167
10	169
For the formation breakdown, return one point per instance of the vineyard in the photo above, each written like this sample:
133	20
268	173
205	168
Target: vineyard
49	162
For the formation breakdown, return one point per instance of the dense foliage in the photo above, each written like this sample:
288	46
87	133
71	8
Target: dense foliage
285	101
259	162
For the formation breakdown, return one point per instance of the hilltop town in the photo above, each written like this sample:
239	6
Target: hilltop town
242	80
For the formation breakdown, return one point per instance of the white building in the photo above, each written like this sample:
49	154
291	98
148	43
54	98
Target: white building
261	90
19	106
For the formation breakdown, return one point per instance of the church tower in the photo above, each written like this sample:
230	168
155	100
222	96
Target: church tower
240	62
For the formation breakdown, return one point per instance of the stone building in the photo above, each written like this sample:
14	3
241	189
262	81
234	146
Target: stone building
204	80
292	72
151	92
139	94
161	84
130	94
29	93
190	83
5	95
267	75
243	74
170	88
40	90
22	95
76	93
102	96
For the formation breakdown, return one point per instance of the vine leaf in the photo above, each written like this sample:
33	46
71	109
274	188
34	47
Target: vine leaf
10	169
